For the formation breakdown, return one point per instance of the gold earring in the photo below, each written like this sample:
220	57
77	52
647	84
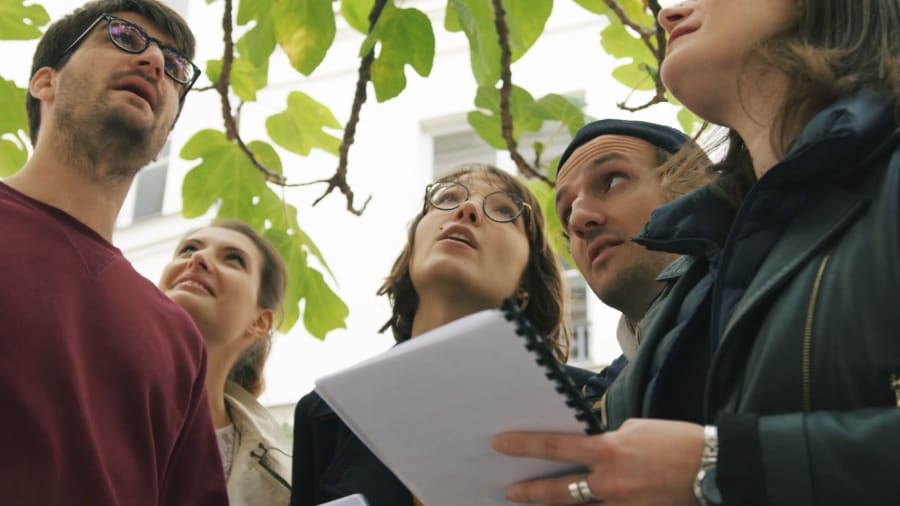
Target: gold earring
522	298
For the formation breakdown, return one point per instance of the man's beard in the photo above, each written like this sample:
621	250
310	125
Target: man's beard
105	134
135	146
631	289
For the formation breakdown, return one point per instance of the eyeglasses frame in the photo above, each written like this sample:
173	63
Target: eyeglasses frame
109	17
523	206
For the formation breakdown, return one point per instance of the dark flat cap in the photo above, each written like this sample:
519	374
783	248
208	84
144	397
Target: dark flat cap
659	135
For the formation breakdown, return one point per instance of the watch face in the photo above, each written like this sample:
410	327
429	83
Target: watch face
710	488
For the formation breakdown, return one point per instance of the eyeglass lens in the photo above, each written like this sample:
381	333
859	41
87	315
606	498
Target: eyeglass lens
498	206
132	39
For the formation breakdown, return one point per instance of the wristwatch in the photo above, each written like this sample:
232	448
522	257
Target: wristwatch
705	488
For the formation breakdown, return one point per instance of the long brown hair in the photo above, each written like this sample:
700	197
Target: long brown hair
835	49
542	278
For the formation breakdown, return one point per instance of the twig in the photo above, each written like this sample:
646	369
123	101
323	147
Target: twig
658	50
221	86
505	90
339	179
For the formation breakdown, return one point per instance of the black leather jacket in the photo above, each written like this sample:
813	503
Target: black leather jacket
783	326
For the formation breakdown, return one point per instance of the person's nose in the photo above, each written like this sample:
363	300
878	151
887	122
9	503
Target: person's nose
669	17
152	61
470	211
199	261
585	217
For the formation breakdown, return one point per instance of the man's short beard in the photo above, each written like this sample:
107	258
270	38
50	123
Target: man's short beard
134	147
633	287
115	139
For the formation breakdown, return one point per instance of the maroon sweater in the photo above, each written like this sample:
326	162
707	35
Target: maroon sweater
102	395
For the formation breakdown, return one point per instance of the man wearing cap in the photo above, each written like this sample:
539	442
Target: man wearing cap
612	175
610	178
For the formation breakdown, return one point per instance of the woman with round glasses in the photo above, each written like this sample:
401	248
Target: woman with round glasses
478	239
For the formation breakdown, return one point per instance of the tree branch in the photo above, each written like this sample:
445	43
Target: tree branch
658	49
339	180
505	91
221	86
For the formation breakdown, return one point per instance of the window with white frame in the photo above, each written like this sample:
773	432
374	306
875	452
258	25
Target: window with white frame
452	149
579	324
145	199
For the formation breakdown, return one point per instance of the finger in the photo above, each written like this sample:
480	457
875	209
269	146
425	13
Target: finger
548	491
574	448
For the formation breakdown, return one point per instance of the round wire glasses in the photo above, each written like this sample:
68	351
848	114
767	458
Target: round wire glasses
499	206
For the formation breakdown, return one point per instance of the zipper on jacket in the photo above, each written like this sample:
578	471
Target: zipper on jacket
264	463
806	360
895	386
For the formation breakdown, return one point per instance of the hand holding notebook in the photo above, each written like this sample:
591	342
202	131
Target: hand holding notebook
429	407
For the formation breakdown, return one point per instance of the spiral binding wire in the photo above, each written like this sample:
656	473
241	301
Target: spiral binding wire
538	344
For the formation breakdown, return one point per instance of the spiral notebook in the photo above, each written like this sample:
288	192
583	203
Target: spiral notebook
428	408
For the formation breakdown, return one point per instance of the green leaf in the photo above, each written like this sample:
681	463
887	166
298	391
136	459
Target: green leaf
324	310
12	103
526	21
596	6
258	43
224	175
12	157
246	79
546	197
689	121
248	10
21	22
635	75
487	123
566	110
227	177
406	37
305	29
476	19
637	11
356	12
620	43
300	128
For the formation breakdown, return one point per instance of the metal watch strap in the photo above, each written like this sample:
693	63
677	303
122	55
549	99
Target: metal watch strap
708	460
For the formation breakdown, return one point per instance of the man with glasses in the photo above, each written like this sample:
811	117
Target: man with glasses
102	376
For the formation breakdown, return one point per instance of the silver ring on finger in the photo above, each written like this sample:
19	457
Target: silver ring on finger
585	489
575	492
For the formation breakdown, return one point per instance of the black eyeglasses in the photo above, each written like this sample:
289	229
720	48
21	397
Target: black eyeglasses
130	38
499	206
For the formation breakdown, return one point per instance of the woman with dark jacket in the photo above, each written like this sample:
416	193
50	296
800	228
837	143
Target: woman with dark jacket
478	240
769	372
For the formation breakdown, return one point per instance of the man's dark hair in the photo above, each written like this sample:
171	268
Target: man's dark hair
51	50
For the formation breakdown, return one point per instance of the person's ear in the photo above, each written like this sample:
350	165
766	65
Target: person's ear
262	325
43	84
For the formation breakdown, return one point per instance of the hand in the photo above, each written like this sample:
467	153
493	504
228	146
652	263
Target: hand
645	462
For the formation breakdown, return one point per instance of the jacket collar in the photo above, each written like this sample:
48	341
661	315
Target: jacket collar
694	224
827	149
835	140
